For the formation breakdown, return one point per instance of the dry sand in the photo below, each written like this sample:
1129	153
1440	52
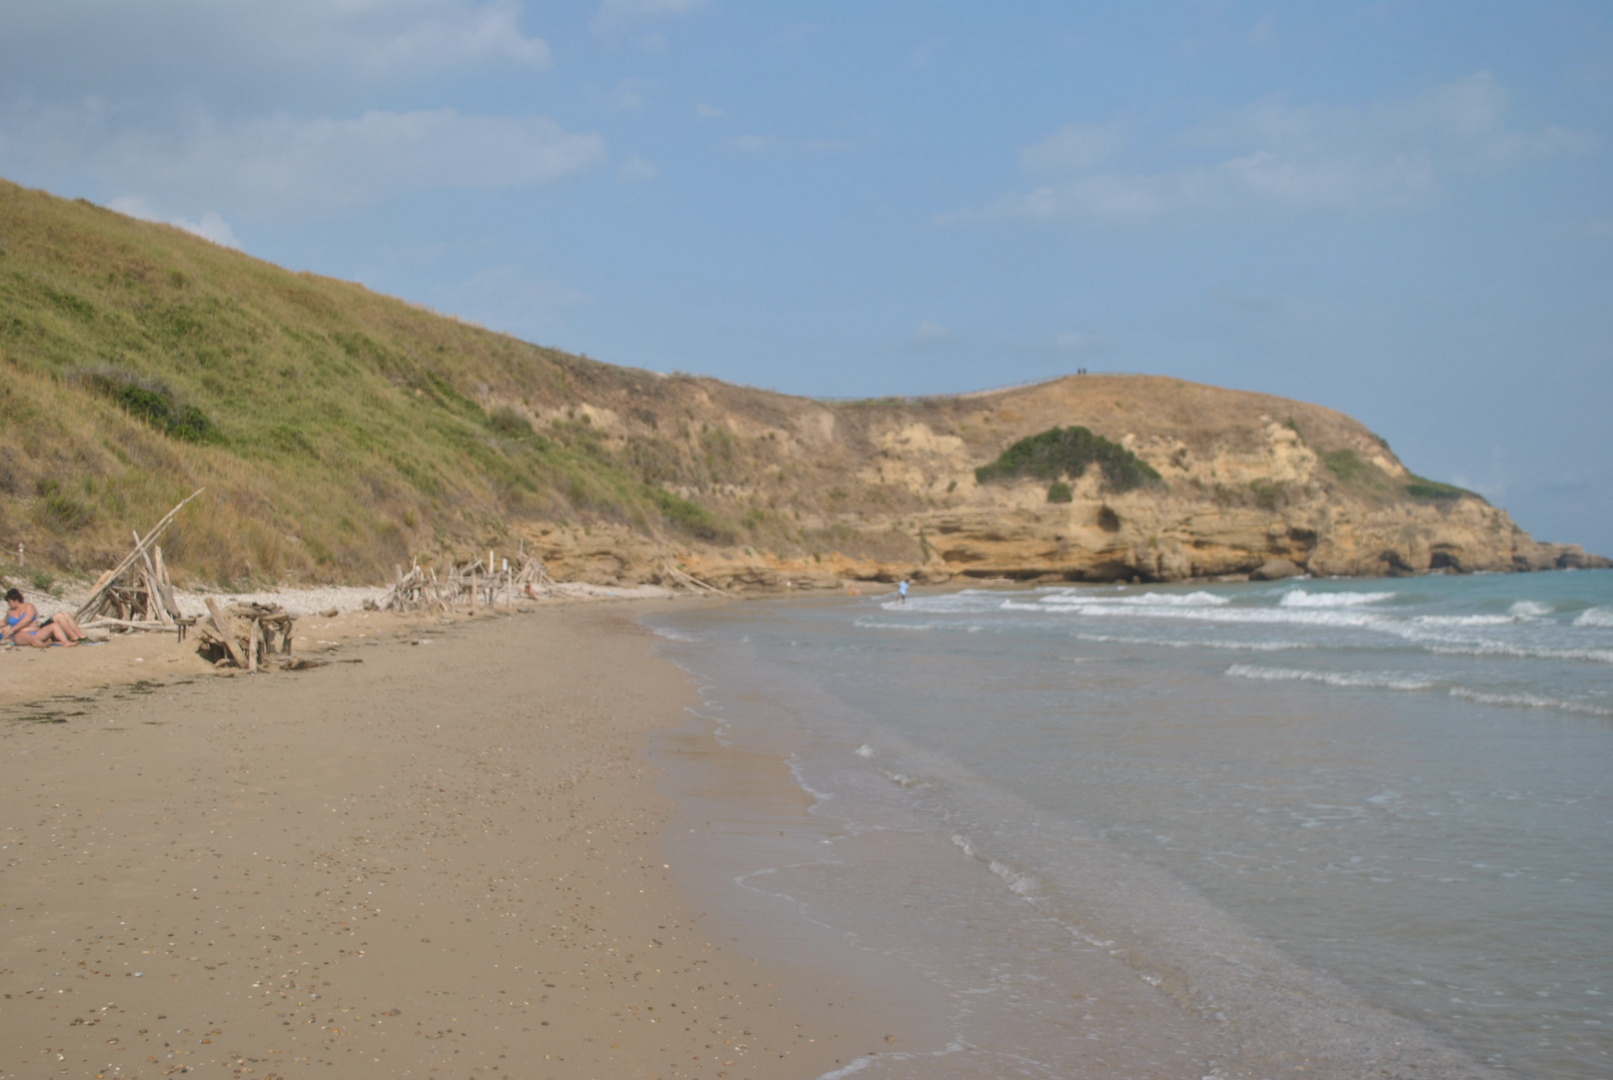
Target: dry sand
444	860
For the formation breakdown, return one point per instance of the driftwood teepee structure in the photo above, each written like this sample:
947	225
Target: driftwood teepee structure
137	594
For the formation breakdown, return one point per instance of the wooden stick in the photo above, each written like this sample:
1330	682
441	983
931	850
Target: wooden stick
94	599
127	624
165	584
223	622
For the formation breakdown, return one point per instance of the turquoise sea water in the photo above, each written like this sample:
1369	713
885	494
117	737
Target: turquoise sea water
1256	814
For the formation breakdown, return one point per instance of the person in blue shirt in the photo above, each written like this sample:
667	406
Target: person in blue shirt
902	589
24	628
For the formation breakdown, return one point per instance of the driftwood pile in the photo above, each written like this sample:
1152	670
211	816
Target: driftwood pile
471	585
137	594
248	635
493	585
673	576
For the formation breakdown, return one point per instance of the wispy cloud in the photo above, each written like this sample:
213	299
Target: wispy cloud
210	226
267	51
1075	341
629	95
636	169
616	17
709	112
929	333
283	163
774	144
1272	154
511	298
436	35
1073	149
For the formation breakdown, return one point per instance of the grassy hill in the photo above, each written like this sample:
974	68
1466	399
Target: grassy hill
339	433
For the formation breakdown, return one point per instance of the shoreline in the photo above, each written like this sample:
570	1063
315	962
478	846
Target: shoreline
197	866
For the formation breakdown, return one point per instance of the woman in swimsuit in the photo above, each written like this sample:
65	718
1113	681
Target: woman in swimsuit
24	628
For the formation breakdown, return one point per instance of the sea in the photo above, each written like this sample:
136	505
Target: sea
1309	827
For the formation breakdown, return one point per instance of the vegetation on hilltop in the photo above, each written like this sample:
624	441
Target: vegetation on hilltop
1067	452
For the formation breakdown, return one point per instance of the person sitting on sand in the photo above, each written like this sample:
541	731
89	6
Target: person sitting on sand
24	628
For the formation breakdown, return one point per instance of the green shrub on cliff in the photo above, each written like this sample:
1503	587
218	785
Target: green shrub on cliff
1067	452
150	400
1419	487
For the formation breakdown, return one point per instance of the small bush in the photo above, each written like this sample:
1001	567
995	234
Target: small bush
509	423
1066	452
691	517
56	511
150	400
1419	487
1059	492
1344	464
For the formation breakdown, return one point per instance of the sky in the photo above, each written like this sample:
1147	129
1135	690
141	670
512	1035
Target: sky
1401	210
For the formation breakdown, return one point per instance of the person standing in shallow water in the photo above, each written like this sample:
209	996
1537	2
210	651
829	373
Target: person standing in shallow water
902	590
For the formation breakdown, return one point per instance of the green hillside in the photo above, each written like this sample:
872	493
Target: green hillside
337	431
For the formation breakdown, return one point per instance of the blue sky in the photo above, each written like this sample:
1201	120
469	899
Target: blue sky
1401	210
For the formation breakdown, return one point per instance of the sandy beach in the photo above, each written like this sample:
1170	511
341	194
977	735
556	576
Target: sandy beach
440	855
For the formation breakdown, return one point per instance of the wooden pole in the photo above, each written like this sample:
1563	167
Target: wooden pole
93	601
226	631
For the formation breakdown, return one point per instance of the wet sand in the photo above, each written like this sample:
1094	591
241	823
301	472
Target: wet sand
446	860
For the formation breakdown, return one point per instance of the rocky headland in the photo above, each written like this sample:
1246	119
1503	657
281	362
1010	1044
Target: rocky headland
342	434
1248	484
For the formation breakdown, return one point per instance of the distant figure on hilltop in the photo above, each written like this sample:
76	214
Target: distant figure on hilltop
24	628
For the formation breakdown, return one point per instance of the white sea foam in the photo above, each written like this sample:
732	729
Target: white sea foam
1531	701
1468	620
1153	599
1179	643
1385	680
1525	652
1299	598
1530	609
1255	615
1596	616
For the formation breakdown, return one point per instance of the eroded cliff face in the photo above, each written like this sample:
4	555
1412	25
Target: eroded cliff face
816	493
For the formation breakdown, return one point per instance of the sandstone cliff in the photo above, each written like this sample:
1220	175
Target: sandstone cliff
887	489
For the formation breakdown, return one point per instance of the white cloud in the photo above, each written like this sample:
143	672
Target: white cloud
265	52
709	112
510	298
1073	148
621	16
281	163
1271	154
628	95
773	144
1073	341
637	168
1262	34
211	226
930	333
432	34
